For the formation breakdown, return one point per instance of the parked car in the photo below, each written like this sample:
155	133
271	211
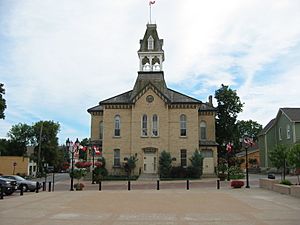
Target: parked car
9	186
27	185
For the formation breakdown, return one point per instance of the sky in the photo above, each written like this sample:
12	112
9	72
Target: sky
60	57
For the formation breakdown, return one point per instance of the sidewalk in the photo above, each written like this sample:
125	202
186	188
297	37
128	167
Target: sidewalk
206	206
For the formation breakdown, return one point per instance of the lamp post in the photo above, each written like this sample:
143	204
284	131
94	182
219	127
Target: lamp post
93	154
248	142
72	148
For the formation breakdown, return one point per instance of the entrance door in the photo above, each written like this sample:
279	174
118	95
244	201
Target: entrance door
150	163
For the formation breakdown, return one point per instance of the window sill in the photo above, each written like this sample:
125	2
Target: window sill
144	136
184	137
117	167
116	136
155	136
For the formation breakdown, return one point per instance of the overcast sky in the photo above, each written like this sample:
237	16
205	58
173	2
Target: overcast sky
60	57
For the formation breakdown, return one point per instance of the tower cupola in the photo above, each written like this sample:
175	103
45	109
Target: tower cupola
151	54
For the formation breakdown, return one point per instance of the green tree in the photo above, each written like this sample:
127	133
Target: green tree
196	168
130	164
278	157
45	138
2	101
249	127
20	135
229	105
294	158
165	164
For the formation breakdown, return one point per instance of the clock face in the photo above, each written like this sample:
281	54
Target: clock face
149	98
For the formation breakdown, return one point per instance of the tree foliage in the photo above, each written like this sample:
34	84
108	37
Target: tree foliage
249	127
165	164
229	105
2	101
278	157
294	159
196	168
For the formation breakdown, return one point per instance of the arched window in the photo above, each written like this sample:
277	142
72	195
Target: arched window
203	130
150	43
183	125
101	130
117	126
155	125
144	125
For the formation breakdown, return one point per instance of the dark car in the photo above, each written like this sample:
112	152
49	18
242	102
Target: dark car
271	176
27	185
9	186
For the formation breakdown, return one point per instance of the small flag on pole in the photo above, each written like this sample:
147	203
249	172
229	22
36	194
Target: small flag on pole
229	147
151	2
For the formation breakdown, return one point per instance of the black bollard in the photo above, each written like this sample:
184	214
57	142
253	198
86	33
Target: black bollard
21	189
37	187
1	192
218	184
44	186
129	185
49	187
100	188
157	185
187	185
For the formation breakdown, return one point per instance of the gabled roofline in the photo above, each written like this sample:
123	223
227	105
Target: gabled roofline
103	102
197	101
282	110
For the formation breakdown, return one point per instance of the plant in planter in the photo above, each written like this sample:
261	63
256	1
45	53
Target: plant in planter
79	186
78	174
237	183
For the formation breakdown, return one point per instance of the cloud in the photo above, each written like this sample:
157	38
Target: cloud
61	57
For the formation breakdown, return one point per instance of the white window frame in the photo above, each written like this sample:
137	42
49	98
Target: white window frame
117	130
155	132
144	125
183	160
280	133
288	131
183	125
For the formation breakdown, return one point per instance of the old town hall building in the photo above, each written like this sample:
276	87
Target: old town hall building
151	117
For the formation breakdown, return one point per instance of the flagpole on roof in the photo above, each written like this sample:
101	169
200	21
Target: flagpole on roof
150	11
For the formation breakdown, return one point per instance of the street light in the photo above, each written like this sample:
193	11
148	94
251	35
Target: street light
248	142
72	148
93	154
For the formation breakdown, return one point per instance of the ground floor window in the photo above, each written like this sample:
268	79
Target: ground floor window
117	157
183	161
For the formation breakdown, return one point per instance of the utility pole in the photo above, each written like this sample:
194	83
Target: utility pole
39	150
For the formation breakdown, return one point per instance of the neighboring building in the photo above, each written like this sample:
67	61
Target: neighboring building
17	165
284	129
253	158
151	118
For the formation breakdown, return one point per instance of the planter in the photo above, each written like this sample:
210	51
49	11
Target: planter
79	186
237	184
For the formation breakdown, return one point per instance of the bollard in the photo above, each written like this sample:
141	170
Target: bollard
100	186
53	182
37	187
21	189
1	192
218	184
44	186
49	187
187	185
129	185
157	185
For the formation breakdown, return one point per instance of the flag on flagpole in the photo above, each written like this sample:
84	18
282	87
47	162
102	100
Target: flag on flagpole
151	2
229	147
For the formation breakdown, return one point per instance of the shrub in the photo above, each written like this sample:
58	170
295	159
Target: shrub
79	186
286	182
196	169
165	166
237	183
235	172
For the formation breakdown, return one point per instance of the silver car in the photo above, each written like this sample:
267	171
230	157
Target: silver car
27	185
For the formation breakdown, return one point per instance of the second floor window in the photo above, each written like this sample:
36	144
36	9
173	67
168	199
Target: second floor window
203	130
117	126
279	133
101	130
288	131
183	125
144	125
155	125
